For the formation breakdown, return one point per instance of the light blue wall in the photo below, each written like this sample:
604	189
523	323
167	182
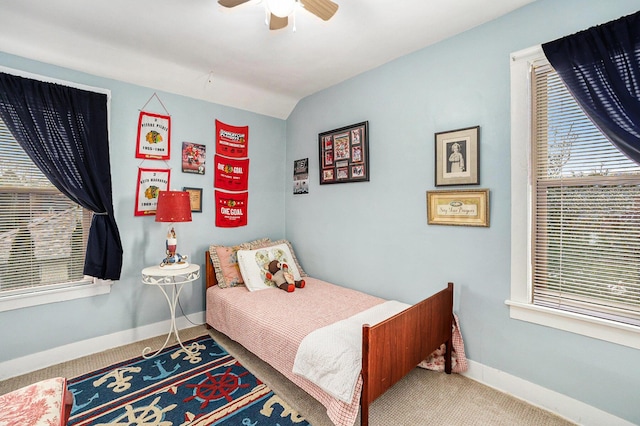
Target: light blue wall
130	303
373	236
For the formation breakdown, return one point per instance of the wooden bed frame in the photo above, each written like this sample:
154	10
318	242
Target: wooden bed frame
418	330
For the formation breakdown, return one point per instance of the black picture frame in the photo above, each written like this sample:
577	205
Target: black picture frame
344	154
195	198
458	157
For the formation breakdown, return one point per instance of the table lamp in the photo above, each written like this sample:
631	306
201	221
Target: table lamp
173	206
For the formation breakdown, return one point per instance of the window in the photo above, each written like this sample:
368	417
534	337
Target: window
43	235
575	213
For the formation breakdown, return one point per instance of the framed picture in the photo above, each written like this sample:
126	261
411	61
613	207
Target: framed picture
458	207
193	158
458	157
301	176
344	154
195	197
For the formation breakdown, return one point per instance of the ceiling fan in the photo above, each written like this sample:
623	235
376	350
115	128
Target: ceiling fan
278	11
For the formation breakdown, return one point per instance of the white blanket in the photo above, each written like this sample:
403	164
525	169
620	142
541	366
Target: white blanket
331	357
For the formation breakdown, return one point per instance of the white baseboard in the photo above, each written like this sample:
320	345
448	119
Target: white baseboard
562	405
29	363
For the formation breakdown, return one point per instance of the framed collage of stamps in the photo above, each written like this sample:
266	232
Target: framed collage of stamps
344	154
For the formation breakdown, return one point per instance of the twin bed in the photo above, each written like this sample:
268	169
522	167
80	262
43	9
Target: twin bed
272	324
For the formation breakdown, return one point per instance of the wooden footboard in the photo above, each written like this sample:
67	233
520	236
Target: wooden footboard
394	347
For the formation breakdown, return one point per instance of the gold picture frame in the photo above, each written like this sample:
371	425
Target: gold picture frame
458	207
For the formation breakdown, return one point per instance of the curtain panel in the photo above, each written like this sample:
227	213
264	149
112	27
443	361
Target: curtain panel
64	131
601	69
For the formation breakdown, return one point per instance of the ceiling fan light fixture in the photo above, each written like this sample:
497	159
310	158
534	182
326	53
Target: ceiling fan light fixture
281	8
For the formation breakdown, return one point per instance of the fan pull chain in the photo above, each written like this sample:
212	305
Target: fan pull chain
294	20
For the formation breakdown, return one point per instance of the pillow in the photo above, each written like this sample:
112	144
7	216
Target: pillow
253	265
293	255
225	261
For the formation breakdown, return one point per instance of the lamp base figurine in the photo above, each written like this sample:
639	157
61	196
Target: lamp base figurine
174	260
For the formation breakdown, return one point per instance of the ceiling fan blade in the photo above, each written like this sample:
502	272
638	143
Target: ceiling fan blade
276	23
323	9
231	3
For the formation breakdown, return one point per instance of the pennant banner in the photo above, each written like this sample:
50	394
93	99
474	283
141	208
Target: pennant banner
231	209
154	133
150	182
232	141
231	174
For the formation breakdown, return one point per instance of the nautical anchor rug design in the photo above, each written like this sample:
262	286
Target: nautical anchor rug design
177	388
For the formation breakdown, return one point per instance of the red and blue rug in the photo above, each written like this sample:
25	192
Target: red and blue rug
176	388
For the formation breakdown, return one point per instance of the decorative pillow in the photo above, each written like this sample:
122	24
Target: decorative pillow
253	265
225	261
293	255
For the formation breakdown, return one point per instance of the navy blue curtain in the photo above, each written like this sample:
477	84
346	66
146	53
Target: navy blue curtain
65	133
601	68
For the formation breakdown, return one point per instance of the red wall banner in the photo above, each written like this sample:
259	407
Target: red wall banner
231	209
150	182
231	174
232	141
154	136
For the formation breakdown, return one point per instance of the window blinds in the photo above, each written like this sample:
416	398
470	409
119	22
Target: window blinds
42	233
586	210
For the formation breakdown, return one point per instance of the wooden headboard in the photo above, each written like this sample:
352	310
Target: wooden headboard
210	274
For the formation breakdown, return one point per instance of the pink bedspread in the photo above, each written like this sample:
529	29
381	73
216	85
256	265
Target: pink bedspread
271	323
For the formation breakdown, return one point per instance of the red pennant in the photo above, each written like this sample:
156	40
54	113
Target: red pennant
231	209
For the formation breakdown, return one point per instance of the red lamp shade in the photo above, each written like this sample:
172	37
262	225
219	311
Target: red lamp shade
173	206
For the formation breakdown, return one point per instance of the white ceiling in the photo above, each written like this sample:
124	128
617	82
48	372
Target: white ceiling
200	49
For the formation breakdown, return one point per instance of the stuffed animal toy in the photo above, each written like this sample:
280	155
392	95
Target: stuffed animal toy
283	279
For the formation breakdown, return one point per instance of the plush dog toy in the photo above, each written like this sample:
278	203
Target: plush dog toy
283	279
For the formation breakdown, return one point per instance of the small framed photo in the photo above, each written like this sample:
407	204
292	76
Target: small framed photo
344	154
458	207
195	197
458	157
193	158
301	176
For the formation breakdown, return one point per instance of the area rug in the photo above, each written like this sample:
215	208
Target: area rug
205	386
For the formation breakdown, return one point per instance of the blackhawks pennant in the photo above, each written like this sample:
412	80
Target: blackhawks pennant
232	141
231	174
154	133
231	209
150	182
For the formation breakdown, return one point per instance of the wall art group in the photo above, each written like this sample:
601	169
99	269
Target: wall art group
344	154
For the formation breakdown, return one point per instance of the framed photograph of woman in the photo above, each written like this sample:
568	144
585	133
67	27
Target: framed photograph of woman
457	157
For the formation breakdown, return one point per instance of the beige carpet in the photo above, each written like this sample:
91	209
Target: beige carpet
422	398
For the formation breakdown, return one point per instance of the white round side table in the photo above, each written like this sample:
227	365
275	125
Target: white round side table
162	277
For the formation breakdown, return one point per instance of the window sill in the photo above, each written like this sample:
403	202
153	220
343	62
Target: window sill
42	297
610	331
